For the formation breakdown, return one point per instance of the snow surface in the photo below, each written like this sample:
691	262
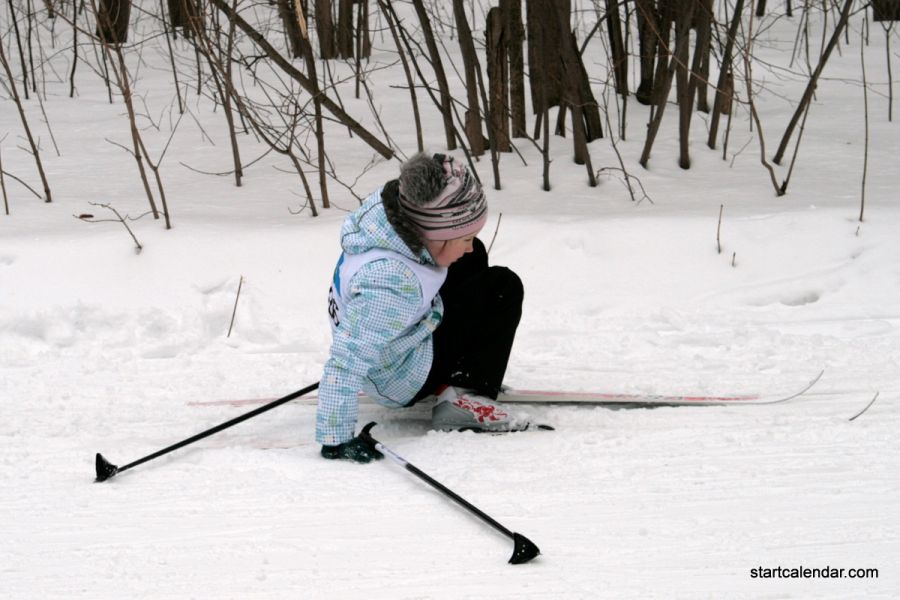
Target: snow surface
102	349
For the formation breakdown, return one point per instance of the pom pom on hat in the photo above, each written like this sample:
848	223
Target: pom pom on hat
442	199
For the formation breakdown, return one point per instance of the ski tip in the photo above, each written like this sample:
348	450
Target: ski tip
524	550
104	468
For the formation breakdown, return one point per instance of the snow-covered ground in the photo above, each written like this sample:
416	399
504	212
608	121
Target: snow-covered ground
103	349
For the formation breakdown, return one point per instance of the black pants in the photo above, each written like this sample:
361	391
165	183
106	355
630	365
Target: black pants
482	308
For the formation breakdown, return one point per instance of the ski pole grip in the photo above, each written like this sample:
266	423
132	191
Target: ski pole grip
365	436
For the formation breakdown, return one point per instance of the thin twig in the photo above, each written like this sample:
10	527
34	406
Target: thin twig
119	218
20	180
3	187
719	229
754	114
496	229
862	58
615	147
860	413
234	311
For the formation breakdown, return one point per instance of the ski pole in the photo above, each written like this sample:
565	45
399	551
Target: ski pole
523	548
106	469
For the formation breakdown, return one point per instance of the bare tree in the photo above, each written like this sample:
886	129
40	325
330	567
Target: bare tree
317	107
345	28
220	67
473	111
325	29
862	60
15	23
112	21
13	92
648	33
285	66
290	18
619	56
409	78
545	43
514	35
725	75
887	12
498	78
748	80
106	35
813	81
438	67
703	18
684	90
662	90
3	184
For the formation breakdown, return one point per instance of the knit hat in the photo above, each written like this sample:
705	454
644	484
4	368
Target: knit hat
441	198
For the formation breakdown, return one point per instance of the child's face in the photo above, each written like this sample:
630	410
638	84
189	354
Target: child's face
448	252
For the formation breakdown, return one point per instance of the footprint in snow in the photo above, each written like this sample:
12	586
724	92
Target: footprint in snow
802	298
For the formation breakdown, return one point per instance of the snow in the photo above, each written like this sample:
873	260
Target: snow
103	349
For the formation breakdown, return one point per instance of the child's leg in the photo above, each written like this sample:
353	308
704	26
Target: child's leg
482	308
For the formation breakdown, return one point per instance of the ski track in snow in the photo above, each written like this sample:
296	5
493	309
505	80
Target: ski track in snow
102	350
683	500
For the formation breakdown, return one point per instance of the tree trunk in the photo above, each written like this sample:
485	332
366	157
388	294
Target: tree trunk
112	21
700	67
498	77
473	111
617	47
574	94
664	49
662	95
438	66
362	29
409	78
886	10
180	14
325	29
514	32
306	47
684	89
18	100
647	19
544	50
587	103
288	15
813	81
345	28
723	91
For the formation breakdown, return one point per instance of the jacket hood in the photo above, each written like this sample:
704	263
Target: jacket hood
368	228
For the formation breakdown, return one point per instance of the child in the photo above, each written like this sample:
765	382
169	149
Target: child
416	311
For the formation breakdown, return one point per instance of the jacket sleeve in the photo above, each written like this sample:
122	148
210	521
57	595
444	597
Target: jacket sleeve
384	297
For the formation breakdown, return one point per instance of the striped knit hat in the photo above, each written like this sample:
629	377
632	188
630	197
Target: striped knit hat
443	203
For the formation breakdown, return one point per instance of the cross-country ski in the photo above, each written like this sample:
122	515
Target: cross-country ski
574	398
